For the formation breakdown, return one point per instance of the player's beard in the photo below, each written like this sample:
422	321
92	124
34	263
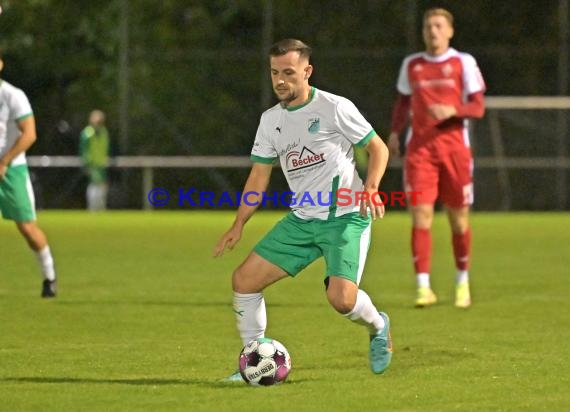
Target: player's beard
284	101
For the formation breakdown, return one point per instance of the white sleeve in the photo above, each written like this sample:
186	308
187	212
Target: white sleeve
403	84
351	123
472	78
263	150
19	105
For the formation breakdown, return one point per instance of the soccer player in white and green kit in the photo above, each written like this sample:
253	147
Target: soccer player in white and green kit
312	133
17	134
94	152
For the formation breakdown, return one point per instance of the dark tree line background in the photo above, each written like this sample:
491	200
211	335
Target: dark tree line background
197	70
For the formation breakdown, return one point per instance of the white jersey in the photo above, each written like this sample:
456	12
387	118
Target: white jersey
14	107
314	143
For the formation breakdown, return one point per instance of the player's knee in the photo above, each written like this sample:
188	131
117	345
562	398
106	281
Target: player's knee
459	221
459	227
341	294
342	306
343	303
422	223
422	218
243	282
238	281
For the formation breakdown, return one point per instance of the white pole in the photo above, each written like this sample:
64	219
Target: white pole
266	42
563	90
124	77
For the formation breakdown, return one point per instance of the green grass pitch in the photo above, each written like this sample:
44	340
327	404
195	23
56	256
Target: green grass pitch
144	320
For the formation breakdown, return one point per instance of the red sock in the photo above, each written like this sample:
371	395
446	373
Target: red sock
461	248
421	249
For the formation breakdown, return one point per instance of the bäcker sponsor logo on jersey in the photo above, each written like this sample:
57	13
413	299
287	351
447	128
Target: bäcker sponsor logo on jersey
314	125
306	158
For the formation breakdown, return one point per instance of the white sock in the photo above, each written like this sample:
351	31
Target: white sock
46	263
250	315
92	197
101	197
423	280
98	197
462	277
365	313
104	190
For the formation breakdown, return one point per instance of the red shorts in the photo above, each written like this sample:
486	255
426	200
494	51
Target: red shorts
448	176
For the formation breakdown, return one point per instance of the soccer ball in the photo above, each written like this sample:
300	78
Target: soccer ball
264	361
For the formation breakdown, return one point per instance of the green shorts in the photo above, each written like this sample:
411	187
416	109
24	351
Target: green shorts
294	243
17	196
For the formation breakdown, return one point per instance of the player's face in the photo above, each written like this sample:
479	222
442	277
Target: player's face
437	32
290	77
96	119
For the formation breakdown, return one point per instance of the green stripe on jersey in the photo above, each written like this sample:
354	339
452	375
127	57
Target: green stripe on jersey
264	160
366	139
334	198
19	119
300	106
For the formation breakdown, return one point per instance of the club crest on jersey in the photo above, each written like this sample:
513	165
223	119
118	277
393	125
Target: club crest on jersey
306	158
314	125
447	69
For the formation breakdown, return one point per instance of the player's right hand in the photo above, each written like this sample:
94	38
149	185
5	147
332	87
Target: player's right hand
228	240
394	144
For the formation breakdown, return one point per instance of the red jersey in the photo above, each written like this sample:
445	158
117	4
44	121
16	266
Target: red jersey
445	79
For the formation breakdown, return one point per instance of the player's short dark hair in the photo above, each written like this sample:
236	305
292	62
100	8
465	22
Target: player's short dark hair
286	45
439	11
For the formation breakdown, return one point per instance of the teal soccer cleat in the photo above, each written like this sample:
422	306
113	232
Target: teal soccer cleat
234	377
381	347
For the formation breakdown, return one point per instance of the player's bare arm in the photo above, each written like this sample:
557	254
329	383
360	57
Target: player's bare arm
27	138
442	111
256	185
394	144
3	169
474	108
377	161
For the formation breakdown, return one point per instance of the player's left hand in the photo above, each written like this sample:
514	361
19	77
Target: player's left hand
442	111
372	203
228	240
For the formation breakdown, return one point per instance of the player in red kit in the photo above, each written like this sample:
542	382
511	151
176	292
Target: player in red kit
439	89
